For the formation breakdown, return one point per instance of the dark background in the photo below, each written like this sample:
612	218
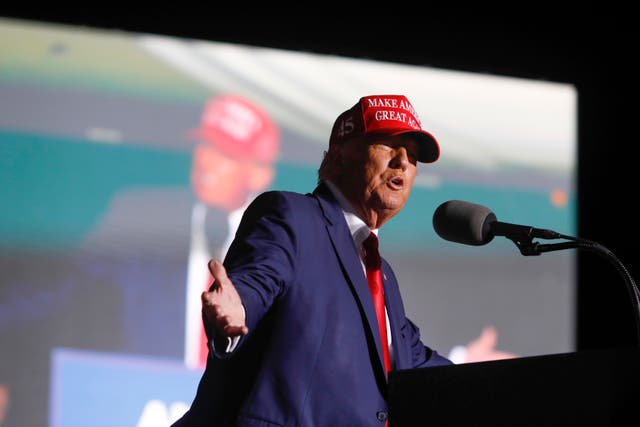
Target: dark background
594	50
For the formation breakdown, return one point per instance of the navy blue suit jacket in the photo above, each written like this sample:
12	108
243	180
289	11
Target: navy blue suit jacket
311	357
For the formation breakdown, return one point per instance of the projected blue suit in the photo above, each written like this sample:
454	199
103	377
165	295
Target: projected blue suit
310	358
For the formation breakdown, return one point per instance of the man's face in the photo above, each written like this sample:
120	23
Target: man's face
222	181
377	175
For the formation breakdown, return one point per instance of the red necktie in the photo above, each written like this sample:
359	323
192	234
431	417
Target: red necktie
374	277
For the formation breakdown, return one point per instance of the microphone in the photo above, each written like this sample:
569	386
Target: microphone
472	224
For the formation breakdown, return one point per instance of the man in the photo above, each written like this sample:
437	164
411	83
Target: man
295	338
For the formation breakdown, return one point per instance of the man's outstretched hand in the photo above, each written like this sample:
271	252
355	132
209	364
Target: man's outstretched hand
484	347
222	305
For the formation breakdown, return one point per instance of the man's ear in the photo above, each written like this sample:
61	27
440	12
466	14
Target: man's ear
331	163
260	177
335	158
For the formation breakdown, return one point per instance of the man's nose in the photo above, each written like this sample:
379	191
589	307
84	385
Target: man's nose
400	158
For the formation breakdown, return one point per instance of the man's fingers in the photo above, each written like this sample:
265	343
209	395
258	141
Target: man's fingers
225	324
218	272
209	307
488	337
208	299
234	330
205	298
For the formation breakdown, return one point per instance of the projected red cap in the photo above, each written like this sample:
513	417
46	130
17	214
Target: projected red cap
239	129
388	115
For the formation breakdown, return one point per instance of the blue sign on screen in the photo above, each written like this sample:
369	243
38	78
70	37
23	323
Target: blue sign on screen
112	390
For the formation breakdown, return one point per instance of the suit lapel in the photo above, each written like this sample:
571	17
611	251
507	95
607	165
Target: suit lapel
393	302
349	259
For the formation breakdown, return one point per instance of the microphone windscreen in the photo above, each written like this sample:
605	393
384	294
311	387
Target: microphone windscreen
464	222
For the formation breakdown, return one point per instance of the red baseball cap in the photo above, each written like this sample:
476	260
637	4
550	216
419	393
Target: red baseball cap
388	115
239	129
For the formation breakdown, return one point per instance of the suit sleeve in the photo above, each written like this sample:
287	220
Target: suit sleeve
422	356
261	259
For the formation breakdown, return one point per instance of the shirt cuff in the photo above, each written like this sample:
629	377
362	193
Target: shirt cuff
228	343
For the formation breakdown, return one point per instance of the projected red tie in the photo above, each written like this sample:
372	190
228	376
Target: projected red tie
203	348
374	277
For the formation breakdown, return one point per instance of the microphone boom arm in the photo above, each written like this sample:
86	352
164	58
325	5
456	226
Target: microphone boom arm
526	245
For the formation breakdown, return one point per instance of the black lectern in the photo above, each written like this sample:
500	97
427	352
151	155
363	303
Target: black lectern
585	388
